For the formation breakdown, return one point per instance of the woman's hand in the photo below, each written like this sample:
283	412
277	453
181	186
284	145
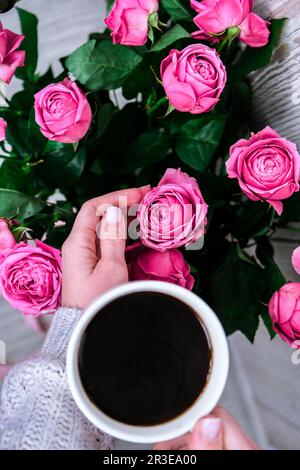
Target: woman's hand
92	265
217	431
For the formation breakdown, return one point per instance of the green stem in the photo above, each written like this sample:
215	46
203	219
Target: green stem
222	44
157	105
151	109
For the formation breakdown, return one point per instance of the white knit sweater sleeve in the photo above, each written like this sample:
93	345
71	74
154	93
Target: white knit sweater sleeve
37	410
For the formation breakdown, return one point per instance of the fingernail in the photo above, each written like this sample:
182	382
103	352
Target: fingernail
210	428
113	215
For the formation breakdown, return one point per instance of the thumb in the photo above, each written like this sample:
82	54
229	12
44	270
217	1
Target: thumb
112	235
207	435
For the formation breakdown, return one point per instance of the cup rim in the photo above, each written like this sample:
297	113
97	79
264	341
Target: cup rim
202	406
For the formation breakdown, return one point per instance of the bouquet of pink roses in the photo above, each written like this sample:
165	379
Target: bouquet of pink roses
162	96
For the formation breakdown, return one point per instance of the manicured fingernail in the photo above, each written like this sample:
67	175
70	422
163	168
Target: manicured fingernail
113	215
210	428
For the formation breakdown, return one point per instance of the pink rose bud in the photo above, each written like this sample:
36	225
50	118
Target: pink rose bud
173	214
169	266
193	78
216	16
30	277
63	112
128	21
254	31
284	310
10	58
6	237
3	127
266	166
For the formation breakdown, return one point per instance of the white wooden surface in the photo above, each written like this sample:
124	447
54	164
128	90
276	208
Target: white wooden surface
277	87
263	386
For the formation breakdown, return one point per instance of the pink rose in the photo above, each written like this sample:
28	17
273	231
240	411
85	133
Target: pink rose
30	277
296	260
267	167
10	58
128	21
216	16
3	127
193	78
169	266
63	112
173	214
254	31
284	310
6	237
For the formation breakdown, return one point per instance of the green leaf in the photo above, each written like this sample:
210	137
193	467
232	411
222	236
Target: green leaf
123	129
251	219
24	135
63	212
23	100
149	148
268	323
141	80
48	77
175	33
177	9
216	189
35	139
74	169
62	166
271	281
292	208
102	66
12	176
103	118
17	204
235	293
254	58
6	5
109	4
199	138
29	23
17	133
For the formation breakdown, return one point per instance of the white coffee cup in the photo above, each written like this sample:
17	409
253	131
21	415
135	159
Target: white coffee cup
207	399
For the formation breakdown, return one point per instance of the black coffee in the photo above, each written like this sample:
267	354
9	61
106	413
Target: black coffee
144	359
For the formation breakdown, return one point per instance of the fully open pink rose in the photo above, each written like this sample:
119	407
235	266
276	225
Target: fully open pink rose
193	78
267	167
30	277
63	112
3	127
128	21
10	58
216	16
173	214
169	266
284	310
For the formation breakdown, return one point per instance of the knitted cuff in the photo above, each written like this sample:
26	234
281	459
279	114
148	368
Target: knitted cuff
57	339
